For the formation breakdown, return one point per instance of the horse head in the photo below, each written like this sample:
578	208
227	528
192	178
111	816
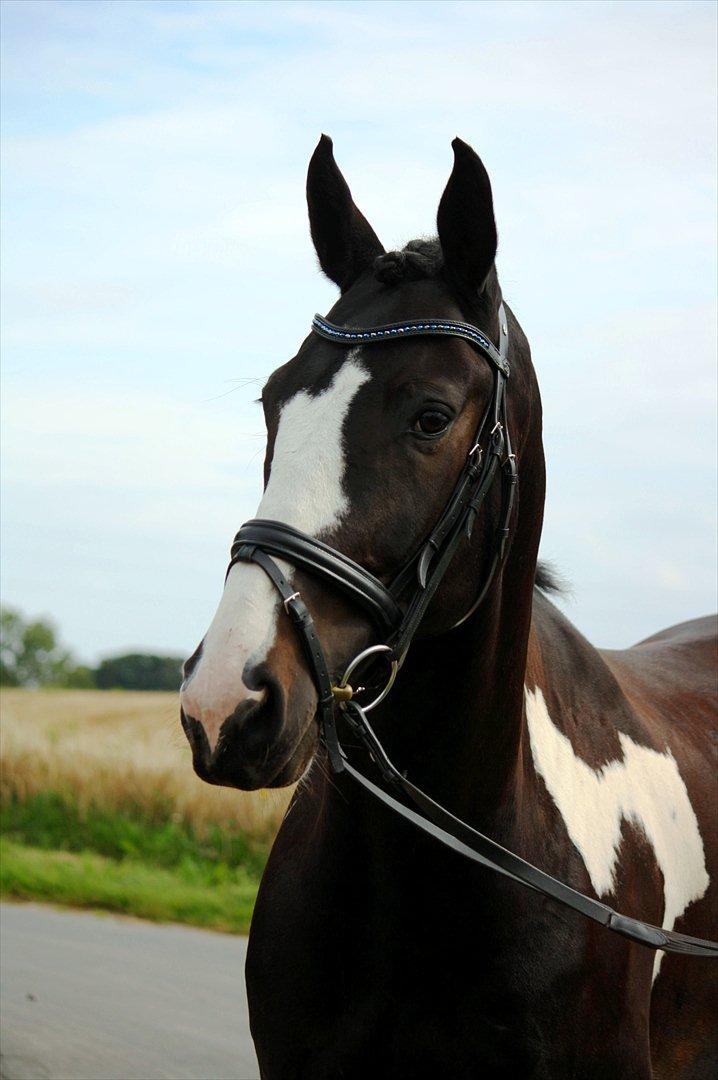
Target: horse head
364	448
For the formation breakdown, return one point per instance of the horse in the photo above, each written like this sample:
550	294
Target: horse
374	950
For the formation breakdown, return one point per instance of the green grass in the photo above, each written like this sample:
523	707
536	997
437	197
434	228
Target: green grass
101	858
52	821
134	888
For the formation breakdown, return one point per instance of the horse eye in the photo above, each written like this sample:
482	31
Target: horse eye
431	423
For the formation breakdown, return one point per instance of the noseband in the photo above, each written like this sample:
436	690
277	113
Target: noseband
397	611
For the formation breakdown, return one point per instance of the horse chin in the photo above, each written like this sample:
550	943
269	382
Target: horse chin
282	763
294	769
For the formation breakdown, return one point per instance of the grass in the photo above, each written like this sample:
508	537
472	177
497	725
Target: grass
100	808
134	888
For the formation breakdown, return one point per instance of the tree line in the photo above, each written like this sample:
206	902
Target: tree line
32	655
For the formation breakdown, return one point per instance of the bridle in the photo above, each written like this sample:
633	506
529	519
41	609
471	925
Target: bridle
397	610
490	454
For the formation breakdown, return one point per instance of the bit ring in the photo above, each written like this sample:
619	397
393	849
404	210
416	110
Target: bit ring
354	664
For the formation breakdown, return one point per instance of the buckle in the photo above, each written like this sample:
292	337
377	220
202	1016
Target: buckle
498	441
294	596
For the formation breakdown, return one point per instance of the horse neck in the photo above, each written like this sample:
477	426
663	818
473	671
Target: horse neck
582	694
458	723
455	721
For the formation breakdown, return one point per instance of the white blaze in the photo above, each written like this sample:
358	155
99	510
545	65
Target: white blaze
644	788
304	490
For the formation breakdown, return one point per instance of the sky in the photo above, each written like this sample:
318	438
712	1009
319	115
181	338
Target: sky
156	267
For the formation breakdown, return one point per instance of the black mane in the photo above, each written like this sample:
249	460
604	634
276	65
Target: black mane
547	580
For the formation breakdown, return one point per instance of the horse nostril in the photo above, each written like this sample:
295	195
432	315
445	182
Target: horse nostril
259	679
251	725
235	729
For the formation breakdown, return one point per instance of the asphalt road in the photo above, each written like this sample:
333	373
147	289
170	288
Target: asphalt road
97	997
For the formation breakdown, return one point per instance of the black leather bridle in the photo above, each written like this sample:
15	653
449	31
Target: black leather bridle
398	619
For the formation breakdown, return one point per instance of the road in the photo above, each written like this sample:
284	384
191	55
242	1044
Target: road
97	997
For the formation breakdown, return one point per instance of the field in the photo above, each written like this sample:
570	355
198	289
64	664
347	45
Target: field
101	808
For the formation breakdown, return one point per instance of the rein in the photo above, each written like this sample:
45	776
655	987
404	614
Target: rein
490	457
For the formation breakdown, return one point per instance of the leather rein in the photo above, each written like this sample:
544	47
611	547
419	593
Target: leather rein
398	619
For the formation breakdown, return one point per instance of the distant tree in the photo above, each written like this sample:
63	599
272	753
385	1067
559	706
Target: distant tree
79	678
30	655
139	671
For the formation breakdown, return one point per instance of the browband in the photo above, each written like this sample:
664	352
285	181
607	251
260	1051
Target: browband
416	328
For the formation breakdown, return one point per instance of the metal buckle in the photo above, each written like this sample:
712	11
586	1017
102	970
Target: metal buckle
498	438
343	684
294	596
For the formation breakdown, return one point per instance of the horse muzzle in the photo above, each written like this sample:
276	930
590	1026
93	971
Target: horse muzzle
257	745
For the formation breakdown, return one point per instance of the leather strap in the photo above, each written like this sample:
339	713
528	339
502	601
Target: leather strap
313	555
460	514
456	834
306	630
430	327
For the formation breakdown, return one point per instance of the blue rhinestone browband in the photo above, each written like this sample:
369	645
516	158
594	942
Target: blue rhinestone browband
412	328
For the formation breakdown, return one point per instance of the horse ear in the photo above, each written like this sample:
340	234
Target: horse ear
465	221
344	240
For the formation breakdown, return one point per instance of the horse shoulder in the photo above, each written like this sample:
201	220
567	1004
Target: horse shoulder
621	742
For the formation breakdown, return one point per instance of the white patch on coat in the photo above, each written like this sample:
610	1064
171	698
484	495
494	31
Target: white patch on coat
645	788
305	490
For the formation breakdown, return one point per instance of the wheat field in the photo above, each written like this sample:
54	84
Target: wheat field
119	750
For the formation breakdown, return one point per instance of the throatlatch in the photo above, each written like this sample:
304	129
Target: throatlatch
398	619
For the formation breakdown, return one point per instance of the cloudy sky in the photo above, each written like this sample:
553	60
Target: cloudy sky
157	267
